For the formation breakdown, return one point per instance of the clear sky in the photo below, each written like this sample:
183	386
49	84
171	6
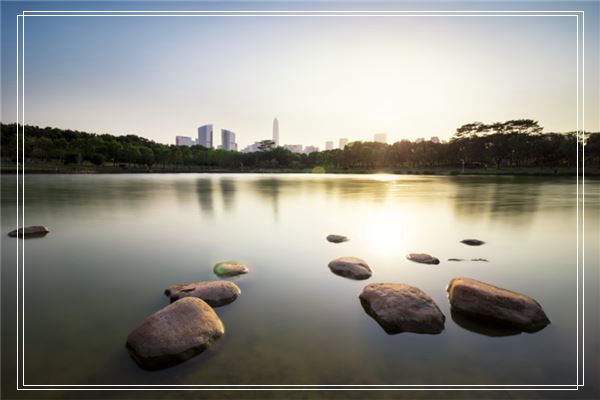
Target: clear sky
323	77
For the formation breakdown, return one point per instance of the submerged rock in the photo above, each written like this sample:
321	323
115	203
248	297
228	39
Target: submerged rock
402	308
30	231
472	259
422	258
215	293
337	238
456	259
351	267
174	334
472	242
485	302
230	268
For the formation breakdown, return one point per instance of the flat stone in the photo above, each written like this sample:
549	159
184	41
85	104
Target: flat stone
230	268
472	259
215	293
30	231
472	242
422	258
484	302
402	308
351	267
337	238
174	334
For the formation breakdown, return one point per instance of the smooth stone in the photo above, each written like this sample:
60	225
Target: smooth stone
485	302
337	238
230	268
472	242
30	231
402	308
456	259
422	258
174	334
215	293
351	267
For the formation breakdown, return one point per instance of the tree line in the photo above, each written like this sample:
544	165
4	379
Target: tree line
515	143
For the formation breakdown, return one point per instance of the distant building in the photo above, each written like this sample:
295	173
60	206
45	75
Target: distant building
294	148
184	141
380	137
435	139
276	132
205	136
343	143
329	145
310	149
420	140
228	140
251	148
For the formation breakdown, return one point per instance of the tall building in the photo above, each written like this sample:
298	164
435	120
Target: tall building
205	136
343	143
276	132
329	145
380	137
228	140
294	148
184	141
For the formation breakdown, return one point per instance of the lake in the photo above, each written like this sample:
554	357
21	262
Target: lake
117	241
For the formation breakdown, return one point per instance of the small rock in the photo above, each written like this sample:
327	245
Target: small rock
472	242
351	267
479	259
422	258
472	259
174	334
30	231
489	303
230	268
337	238
215	293
456	259
402	308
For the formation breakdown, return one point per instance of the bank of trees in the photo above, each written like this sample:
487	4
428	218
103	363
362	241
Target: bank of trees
516	143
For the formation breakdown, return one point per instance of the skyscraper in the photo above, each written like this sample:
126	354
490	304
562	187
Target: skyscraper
205	136
343	143
380	137
184	141
228	140
329	145
276	132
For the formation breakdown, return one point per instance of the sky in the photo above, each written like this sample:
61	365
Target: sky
324	78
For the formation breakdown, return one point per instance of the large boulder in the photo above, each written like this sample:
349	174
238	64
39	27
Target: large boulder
491	304
215	293
351	267
472	242
337	238
174	334
230	268
422	258
30	231
402	308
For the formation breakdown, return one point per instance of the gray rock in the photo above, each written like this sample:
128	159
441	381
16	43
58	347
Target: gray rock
422	258
174	334
402	308
230	268
351	267
215	293
472	242
492	304
30	231
337	238
472	259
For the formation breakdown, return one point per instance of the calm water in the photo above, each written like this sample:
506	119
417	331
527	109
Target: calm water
117	241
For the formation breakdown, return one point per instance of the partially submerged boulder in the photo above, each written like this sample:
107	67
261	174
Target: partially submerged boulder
351	267
174	334
230	268
337	238
402	308
215	293
472	242
422	258
30	231
488	303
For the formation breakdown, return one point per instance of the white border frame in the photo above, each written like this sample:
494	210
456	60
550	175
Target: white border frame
297	13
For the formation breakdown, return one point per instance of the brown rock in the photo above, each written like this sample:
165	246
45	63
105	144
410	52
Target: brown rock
215	293
174	334
30	231
422	258
489	303
472	242
351	267
337	238
402	308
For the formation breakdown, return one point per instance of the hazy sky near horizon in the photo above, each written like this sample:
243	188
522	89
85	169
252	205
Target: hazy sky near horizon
323	77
